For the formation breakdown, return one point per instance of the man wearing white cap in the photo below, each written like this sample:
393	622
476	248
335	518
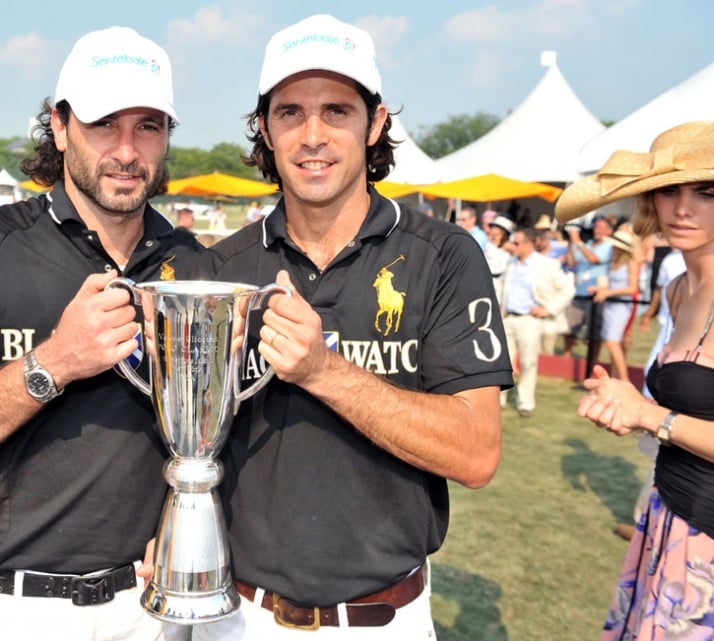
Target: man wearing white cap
81	484
388	358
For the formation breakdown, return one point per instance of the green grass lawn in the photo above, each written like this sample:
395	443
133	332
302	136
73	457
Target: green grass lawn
533	556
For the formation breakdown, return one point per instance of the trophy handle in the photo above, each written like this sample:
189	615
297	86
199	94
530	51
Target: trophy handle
126	369
256	302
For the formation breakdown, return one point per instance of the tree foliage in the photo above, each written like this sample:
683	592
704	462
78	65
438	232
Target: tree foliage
223	157
12	151
457	132
183	161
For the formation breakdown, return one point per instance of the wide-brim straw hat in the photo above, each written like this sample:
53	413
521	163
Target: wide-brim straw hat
683	154
622	239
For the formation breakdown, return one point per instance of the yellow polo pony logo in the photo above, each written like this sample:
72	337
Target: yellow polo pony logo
390	301
167	272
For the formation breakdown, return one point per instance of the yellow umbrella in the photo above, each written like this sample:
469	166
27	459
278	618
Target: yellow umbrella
490	187
218	184
395	190
31	185
486	188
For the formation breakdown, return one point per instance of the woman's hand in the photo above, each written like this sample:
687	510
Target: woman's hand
611	403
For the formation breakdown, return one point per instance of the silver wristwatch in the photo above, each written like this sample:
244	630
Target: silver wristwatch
664	431
38	381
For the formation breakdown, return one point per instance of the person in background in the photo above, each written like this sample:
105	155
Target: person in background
549	241
615	294
467	219
185	218
535	288
589	261
426	209
553	326
388	363
253	212
81	460
499	232
217	218
485	220
667	580
498	249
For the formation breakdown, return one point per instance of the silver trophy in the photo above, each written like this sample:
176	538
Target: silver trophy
195	334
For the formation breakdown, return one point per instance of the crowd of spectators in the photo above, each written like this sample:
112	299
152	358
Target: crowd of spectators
610	277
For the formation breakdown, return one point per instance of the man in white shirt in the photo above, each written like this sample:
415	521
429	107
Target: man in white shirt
535	288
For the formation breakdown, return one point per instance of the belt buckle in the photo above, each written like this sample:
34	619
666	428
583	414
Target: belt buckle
277	615
92	590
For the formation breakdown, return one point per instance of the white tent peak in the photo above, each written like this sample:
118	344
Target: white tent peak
548	58
412	165
689	101
539	141
6	179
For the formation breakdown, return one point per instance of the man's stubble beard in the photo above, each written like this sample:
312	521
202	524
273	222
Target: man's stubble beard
121	201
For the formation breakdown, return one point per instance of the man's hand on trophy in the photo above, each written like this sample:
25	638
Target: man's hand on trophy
146	569
96	330
291	337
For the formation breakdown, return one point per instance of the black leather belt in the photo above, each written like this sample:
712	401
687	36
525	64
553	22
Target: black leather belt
83	590
376	609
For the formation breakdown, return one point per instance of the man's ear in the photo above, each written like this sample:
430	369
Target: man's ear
380	117
264	131
59	129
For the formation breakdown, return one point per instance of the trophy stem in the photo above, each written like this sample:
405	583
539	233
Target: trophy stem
191	581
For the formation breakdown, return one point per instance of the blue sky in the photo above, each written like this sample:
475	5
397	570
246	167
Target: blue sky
438	59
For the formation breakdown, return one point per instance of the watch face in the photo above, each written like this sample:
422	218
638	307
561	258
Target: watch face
38	384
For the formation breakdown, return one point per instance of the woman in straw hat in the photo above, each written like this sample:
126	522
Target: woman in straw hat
616	295
666	589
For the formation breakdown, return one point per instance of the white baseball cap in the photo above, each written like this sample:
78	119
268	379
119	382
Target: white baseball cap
114	69
320	42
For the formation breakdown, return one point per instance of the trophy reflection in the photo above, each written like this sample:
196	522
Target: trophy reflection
194	335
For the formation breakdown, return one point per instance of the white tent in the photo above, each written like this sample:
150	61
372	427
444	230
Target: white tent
685	102
8	188
412	165
539	141
6	179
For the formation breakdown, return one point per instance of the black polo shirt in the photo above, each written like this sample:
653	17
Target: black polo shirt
316	511
81	484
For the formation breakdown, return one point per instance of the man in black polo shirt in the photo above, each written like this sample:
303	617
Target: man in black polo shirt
389	359
81	484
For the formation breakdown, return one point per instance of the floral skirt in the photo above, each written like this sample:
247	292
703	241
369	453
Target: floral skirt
666	588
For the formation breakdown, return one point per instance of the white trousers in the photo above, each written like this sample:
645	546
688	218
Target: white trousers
523	335
254	623
24	618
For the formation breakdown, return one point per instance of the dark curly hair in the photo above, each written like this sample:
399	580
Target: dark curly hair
46	167
380	156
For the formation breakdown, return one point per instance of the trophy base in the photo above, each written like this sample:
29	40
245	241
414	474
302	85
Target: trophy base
190	608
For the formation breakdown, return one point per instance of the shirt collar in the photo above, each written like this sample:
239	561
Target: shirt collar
382	218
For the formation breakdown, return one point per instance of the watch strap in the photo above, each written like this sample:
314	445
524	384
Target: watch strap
664	430
31	365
